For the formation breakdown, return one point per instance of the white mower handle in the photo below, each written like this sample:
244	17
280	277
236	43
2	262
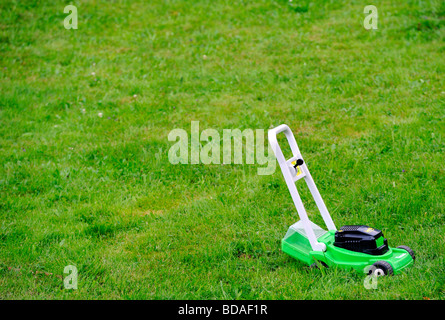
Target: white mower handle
291	176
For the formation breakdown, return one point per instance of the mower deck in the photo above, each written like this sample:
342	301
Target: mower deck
296	244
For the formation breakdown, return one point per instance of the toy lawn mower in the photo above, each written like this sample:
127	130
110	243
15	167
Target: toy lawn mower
352	246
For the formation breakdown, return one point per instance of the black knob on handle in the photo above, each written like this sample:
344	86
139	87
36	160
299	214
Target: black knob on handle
299	162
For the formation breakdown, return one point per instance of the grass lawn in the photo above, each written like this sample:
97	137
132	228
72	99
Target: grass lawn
98	192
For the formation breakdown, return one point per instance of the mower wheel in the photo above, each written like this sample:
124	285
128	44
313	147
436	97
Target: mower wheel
384	266
410	251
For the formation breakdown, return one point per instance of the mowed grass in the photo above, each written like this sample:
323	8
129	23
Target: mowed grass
99	193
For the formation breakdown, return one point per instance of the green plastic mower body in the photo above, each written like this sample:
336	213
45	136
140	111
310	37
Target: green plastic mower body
297	245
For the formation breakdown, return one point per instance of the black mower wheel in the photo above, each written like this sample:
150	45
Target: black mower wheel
384	266
410	251
315	265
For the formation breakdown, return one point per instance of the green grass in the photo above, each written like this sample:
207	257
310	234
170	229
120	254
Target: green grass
367	109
